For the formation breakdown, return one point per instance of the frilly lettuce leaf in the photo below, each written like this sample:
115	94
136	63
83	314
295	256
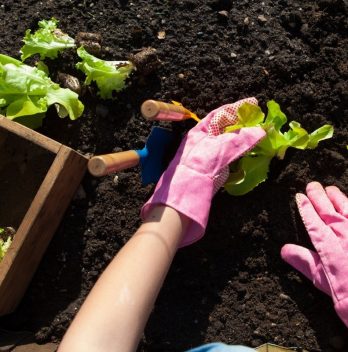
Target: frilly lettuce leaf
109	75
47	41
26	93
4	244
252	169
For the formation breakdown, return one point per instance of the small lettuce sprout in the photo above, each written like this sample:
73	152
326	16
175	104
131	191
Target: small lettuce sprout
47	41
5	242
252	169
26	93
108	75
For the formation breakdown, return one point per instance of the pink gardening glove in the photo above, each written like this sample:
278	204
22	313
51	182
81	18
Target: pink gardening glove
193	176
325	215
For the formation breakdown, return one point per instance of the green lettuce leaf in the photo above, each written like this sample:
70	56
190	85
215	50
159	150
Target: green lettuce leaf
252	169
4	244
27	91
47	41
109	75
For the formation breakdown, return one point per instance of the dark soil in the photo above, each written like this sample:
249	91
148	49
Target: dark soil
232	286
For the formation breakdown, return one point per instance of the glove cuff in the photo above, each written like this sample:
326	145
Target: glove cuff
188	192
341	308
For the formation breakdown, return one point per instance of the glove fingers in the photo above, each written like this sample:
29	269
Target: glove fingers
327	244
226	116
338	199
233	145
308	263
320	200
327	212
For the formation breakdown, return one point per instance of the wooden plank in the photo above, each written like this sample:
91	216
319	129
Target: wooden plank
38	226
30	135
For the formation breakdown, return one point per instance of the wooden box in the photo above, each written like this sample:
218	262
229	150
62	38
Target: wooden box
38	178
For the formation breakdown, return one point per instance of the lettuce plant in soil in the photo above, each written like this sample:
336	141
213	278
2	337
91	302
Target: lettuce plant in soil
252	169
47	41
26	93
108	75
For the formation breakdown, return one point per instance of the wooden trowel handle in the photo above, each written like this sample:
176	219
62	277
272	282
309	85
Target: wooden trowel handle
105	164
157	110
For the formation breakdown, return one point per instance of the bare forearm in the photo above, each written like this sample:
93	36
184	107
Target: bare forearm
116	311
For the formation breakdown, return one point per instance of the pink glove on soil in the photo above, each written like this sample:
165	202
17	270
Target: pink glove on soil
194	175
325	215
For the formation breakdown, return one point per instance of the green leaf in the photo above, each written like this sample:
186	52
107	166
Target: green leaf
324	132
275	116
27	91
274	143
254	171
5	243
68	103
47	41
250	115
233	128
297	136
26	105
109	75
43	67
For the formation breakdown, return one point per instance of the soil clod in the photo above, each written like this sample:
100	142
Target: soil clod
146	61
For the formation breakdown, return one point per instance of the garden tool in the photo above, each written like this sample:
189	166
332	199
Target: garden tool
159	111
151	157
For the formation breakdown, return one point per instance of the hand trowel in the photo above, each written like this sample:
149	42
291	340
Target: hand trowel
151	158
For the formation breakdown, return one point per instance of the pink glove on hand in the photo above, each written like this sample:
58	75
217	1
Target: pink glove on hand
193	176
325	215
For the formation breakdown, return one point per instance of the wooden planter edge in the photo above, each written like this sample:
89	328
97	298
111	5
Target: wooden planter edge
42	218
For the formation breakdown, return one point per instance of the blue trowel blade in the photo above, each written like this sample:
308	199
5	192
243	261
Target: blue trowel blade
153	154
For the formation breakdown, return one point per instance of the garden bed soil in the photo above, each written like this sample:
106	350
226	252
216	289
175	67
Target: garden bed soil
232	286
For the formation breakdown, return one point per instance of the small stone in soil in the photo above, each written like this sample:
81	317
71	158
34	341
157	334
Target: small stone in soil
262	19
146	61
223	14
161	35
70	82
285	297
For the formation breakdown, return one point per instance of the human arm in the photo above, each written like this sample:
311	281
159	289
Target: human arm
115	312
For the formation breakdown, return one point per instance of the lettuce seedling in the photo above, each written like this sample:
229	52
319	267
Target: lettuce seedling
252	169
4	243
26	93
47	41
108	75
